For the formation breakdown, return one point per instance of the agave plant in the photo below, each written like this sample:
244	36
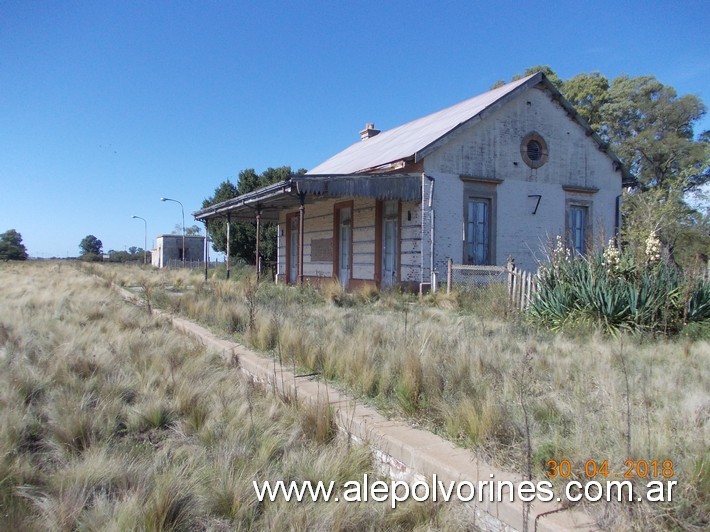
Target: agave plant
617	294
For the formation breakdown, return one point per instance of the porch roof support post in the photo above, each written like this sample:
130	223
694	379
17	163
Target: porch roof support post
449	274
229	225
207	253
301	220
258	237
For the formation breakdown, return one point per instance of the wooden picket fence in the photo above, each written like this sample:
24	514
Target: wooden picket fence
522	285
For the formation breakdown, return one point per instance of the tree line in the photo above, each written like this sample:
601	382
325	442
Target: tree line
12	248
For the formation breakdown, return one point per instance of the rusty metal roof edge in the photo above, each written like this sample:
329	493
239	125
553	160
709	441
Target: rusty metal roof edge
264	193
370	185
404	186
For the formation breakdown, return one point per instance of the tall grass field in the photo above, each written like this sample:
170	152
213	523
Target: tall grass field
110	420
467	368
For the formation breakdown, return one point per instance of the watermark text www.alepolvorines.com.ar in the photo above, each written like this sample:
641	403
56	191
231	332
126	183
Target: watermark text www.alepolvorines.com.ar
436	490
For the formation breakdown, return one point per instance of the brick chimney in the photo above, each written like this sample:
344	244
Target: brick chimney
368	132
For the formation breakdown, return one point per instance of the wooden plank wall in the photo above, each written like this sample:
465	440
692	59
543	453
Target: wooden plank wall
319	225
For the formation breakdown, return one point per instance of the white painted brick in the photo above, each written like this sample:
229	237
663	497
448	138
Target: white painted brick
490	148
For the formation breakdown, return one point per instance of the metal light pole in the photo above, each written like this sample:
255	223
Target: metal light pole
145	239
183	226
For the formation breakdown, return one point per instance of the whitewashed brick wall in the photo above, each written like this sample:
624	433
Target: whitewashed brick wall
490	148
411	242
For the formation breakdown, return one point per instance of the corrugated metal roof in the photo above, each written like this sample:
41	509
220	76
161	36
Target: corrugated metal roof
406	140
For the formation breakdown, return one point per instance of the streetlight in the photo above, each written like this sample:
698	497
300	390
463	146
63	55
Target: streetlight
183	226
145	239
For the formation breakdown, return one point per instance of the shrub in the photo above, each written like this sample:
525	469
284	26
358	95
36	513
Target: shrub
91	257
612	292
333	292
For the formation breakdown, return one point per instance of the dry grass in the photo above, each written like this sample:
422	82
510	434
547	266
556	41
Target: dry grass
109	420
447	362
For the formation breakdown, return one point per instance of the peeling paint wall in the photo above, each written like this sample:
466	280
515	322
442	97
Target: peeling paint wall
410	241
318	225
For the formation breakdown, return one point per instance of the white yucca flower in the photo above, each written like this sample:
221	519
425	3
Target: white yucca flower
561	252
612	257
653	248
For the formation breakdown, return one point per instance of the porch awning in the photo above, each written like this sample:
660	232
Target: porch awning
287	194
243	208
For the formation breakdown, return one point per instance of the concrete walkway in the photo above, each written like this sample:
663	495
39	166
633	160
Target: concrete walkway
405	452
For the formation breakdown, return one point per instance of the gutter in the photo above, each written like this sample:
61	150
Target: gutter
432	274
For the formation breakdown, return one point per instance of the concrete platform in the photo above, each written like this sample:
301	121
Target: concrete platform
404	452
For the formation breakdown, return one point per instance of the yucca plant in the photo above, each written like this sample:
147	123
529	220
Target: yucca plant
698	308
611	292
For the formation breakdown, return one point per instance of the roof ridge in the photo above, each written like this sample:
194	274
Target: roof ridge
507	88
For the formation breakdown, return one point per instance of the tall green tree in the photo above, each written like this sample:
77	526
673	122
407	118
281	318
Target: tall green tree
11	246
243	234
588	93
90	245
652	130
190	230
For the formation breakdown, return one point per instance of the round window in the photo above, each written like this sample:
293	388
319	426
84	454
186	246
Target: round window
533	149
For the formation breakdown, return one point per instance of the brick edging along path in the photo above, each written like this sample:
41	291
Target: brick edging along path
404	452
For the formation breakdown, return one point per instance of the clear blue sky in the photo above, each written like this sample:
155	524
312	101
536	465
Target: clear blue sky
107	106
